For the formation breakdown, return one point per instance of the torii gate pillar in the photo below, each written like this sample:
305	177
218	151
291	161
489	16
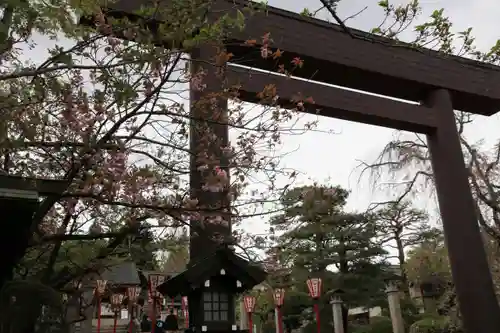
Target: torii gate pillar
463	239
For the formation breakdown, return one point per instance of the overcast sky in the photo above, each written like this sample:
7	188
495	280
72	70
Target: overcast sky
333	157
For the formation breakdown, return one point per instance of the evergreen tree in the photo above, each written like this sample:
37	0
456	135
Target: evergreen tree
320	239
143	250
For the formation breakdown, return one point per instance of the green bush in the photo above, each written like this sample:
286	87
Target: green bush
432	324
377	324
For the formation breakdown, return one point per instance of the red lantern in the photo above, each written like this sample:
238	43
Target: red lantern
279	296
185	310
116	302
154	281
132	294
314	286
249	302
184	302
99	291
100	287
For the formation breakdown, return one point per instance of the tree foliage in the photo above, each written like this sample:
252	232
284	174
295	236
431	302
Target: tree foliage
402	226
316	237
427	261
109	116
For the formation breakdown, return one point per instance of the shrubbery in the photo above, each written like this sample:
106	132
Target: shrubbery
378	324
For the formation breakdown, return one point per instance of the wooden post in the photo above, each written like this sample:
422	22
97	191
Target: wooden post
469	266
209	133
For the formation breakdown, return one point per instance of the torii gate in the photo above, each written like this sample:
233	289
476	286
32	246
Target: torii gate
378	65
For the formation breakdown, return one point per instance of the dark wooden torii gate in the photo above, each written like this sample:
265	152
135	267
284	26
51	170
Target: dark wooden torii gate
440	83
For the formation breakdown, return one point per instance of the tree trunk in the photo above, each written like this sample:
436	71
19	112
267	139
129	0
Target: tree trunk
402	259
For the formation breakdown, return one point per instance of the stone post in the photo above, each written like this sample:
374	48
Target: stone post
338	322
394	300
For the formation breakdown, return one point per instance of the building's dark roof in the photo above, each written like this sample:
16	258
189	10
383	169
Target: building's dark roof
41	186
124	273
198	272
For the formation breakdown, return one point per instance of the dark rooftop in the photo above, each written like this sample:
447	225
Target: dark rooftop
122	274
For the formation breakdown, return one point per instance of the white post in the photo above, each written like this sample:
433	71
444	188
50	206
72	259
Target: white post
394	300
338	321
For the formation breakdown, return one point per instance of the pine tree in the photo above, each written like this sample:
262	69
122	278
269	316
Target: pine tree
320	239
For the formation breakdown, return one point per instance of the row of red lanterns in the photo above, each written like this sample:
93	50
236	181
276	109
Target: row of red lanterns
133	293
314	287
116	302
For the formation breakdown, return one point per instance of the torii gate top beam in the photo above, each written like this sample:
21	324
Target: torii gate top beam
334	102
366	62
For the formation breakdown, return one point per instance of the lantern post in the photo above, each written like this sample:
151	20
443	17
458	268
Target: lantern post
314	286
185	310
116	302
98	292
279	297
154	281
132	294
249	302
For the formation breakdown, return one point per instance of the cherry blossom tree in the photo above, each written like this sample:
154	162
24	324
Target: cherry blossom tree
104	107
